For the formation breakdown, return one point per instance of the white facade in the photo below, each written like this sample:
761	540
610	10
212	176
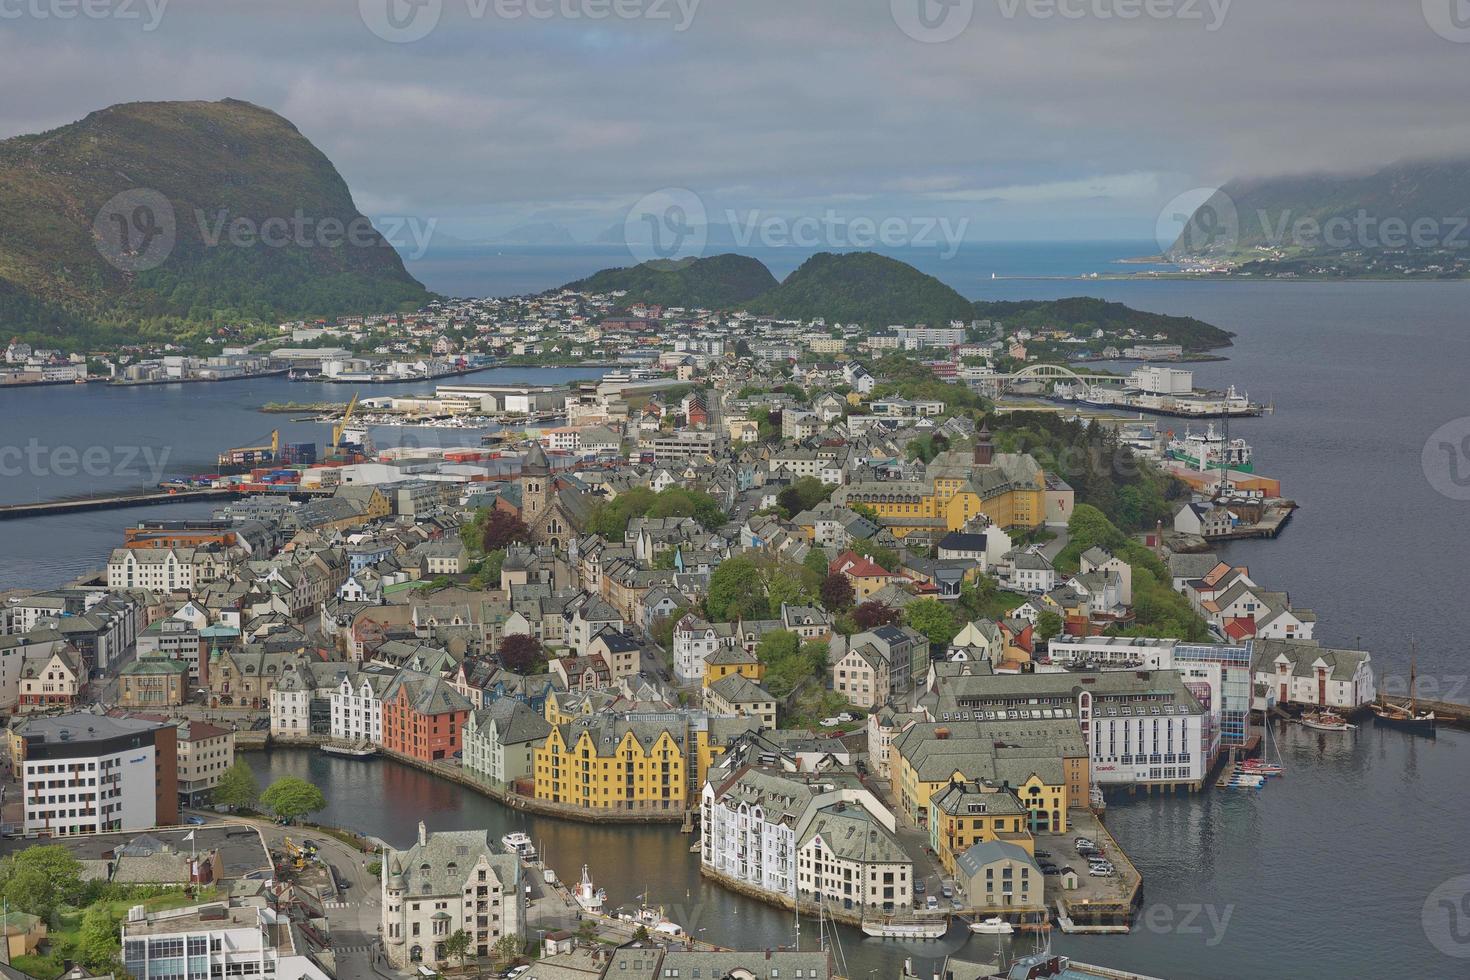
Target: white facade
81	784
694	641
1132	744
357	712
206	942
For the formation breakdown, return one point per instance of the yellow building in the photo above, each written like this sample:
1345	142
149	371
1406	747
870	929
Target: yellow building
964	814
1008	488
930	757
632	761
733	660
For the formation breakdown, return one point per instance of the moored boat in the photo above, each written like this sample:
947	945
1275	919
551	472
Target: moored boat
519	844
1326	720
1211	450
588	895
1406	718
993	926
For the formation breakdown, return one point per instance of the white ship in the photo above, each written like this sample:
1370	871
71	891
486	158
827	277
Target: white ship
1209	451
589	896
519	844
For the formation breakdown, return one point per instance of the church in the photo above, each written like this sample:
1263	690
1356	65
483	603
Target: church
553	514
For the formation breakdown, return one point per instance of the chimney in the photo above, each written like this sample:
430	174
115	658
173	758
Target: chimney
423	834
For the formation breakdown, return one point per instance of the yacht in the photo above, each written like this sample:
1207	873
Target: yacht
519	844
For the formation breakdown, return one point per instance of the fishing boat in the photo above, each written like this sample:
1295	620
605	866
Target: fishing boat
519	844
1211	450
352	750
1406	718
993	926
589	896
1326	720
654	920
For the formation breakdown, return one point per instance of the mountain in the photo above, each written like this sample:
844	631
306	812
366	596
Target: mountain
152	219
718	282
1410	216
537	233
863	287
1084	314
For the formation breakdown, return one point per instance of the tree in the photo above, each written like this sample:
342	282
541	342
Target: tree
736	591
933	619
506	949
490	567
662	629
97	943
837	593
1048	625
237	786
640	935
291	798
40	880
816	562
871	615
457	946
502	528
522	653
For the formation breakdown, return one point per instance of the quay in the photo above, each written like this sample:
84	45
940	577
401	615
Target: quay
147	498
120	383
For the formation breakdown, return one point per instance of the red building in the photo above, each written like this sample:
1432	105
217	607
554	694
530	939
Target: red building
423	717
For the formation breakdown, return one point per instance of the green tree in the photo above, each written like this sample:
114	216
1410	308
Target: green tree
490	567
640	935
1048	625
40	880
237	786
506	949
291	798
933	619
737	590
97	943
457	946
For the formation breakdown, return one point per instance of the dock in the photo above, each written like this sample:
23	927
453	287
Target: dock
146	499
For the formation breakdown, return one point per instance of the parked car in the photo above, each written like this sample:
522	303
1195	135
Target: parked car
194	821
946	891
1043	854
1050	869
919	887
1100	873
931	903
1083	842
830	722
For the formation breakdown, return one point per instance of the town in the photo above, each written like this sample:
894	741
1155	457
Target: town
882	646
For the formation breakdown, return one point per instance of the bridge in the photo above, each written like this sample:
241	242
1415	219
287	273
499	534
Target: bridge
1057	372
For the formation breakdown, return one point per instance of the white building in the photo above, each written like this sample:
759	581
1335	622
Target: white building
694	641
754	820
205	942
86	773
357	708
1304	673
445	883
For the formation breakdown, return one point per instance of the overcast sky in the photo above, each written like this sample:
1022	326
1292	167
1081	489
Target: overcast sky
1023	118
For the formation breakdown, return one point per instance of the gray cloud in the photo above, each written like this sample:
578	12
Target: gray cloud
1028	125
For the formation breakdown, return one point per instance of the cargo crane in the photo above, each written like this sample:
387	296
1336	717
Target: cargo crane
349	442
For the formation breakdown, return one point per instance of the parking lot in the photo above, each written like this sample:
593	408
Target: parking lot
1062	851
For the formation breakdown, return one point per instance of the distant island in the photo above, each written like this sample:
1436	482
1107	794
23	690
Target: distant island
876	291
160	221
1405	221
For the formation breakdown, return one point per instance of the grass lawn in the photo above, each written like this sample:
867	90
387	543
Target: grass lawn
1000	604
64	938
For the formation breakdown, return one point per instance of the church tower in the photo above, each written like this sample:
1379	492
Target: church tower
984	450
535	482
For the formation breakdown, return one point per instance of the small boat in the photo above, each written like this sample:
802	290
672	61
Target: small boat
993	926
1406	718
1245	780
1254	767
519	844
588	895
355	750
654	920
1326	720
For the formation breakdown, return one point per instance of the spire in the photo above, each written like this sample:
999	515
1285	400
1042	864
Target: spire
984	450
536	463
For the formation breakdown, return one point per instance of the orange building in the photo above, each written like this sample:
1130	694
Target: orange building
423	716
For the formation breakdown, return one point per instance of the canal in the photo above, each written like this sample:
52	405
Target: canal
1331	871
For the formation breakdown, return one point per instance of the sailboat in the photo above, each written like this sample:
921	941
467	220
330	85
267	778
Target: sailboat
1268	764
1409	719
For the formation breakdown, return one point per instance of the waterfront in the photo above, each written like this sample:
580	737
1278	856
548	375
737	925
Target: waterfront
1321	851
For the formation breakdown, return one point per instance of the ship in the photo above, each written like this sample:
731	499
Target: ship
519	843
588	895
1326	720
1210	450
1406	718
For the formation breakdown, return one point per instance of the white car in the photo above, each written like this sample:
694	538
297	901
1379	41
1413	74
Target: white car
830	722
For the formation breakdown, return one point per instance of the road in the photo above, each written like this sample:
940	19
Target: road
354	913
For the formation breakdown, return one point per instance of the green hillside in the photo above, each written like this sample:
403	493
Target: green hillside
718	282
227	213
863	287
1083	314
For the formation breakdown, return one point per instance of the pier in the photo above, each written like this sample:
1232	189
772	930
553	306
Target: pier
82	504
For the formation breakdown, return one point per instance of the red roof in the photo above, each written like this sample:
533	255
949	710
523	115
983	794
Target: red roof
856	565
1240	629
